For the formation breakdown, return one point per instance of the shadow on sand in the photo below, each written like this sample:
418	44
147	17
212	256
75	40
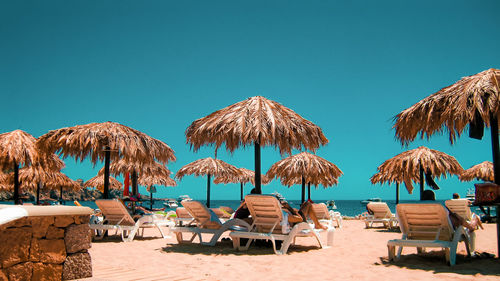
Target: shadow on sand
226	248
434	261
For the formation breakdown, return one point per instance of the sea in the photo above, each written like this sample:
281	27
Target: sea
350	208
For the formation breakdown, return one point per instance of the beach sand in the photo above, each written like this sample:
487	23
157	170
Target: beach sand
357	254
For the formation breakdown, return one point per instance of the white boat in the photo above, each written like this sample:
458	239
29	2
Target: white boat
183	197
331	205
170	203
364	202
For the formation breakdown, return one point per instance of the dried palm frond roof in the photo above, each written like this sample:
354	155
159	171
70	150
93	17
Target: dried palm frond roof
245	176
471	99
205	166
123	166
482	171
156	179
94	139
17	147
255	120
31	176
98	182
405	167
314	169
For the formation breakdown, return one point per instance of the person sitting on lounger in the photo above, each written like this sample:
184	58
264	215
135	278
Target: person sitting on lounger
294	215
456	220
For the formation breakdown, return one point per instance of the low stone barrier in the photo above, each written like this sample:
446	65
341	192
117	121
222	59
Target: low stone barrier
44	243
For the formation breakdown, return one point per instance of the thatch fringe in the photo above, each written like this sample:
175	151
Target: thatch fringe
255	120
205	166
482	171
98	182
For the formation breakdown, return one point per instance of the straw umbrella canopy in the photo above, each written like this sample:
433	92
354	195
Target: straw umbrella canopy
98	182
483	171
259	122
245	176
389	177
473	101
155	179
418	165
137	169
106	141
209	167
305	168
17	148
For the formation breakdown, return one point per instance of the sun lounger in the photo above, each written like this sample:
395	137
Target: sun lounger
427	225
205	222
461	208
327	217
381	214
116	217
183	217
269	223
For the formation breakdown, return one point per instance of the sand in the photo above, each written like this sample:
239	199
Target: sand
357	254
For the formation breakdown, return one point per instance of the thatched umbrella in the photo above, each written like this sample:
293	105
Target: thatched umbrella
483	171
106	141
305	168
155	179
245	176
137	169
256	121
473	101
209	167
17	148
412	165
98	182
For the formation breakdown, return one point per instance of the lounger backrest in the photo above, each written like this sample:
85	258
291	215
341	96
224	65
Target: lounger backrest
182	213
424	221
265	211
459	207
114	212
201	214
380	210
218	212
321	211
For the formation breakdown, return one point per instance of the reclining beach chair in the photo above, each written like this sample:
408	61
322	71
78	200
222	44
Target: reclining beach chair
182	217
461	208
116	217
427	225
269	223
327	217
205	222
381	214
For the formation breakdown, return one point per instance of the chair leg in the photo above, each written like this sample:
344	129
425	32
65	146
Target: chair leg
400	250
392	251
420	250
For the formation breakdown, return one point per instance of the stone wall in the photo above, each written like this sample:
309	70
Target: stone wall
45	248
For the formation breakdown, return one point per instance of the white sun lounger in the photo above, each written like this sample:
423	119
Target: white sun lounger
205	222
116	217
327	217
381	214
461	208
269	223
427	225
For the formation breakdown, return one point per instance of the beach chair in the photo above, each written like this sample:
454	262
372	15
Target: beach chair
270	223
381	214
461	208
427	226
327	217
182	217
116	217
204	221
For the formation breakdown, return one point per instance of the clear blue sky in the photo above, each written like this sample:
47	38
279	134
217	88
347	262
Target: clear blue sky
156	66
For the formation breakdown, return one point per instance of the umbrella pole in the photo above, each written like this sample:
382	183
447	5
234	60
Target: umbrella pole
16	184
308	191
397	193
106	172
208	191
303	190
151	198
257	168
60	196
496	166
38	187
421	181
134	184
241	192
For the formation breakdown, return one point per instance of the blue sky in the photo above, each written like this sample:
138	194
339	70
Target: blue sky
156	66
